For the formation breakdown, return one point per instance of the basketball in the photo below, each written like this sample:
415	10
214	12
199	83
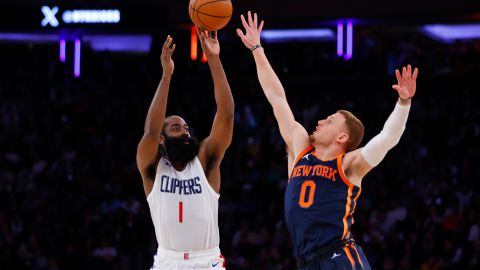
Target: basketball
210	15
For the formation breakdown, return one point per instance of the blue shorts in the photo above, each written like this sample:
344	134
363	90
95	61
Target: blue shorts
348	257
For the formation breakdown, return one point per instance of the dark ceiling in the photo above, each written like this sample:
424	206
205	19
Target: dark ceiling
293	13
285	13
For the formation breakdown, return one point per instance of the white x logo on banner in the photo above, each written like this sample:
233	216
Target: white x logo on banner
50	18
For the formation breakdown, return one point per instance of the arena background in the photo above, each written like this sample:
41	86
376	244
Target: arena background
73	100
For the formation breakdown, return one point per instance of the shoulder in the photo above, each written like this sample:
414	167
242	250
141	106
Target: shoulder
349	157
150	171
300	139
355	166
307	149
207	159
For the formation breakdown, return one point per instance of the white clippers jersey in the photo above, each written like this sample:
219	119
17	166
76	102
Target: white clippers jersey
184	208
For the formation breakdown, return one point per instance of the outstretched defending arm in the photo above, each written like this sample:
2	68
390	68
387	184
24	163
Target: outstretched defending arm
376	149
221	133
147	150
292	132
369	156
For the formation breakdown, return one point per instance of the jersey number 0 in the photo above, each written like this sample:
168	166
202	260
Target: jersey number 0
303	201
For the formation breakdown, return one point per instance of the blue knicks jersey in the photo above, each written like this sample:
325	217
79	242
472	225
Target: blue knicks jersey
319	202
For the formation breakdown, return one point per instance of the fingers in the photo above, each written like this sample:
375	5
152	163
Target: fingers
201	34
213	34
255	20
242	36
407	73
166	41
244	22
250	20
260	27
396	87
167	46
397	74
240	33
168	49
415	74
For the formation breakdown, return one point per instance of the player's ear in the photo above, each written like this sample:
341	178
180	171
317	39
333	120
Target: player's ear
162	139
343	138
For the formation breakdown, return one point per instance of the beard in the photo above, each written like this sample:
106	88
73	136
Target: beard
182	149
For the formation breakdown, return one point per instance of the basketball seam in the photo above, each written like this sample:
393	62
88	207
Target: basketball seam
198	17
193	9
211	3
209	14
193	6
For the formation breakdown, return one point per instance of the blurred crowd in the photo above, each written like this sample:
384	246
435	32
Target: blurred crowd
71	196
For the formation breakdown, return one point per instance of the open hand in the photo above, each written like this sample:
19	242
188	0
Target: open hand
407	82
166	56
252	30
209	42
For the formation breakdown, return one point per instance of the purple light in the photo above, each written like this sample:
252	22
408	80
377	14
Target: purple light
20	37
340	39
348	54
76	64
119	43
282	35
63	45
450	32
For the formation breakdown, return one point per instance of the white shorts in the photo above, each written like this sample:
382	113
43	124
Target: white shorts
202	260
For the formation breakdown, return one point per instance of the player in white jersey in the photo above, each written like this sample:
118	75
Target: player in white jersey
181	177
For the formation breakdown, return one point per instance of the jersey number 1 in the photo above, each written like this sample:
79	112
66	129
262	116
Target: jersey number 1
311	191
180	212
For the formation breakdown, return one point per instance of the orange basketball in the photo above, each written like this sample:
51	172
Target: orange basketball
210	15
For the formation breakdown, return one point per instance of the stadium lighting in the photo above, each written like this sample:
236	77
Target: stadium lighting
79	16
349	53
76	64
340	39
449	32
63	46
193	43
119	43
283	35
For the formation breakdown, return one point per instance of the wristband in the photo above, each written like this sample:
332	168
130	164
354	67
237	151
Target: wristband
255	47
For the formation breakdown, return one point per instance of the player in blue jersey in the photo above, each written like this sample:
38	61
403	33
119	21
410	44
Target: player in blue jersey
326	168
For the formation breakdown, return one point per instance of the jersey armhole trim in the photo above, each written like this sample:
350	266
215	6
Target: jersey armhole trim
217	195
154	179
299	156
151	191
341	172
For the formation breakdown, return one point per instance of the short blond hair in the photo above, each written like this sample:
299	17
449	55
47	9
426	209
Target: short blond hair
355	129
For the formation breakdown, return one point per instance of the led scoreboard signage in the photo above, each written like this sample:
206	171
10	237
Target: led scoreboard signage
50	18
78	16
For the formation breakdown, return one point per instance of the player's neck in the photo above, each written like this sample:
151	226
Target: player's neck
327	152
179	165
